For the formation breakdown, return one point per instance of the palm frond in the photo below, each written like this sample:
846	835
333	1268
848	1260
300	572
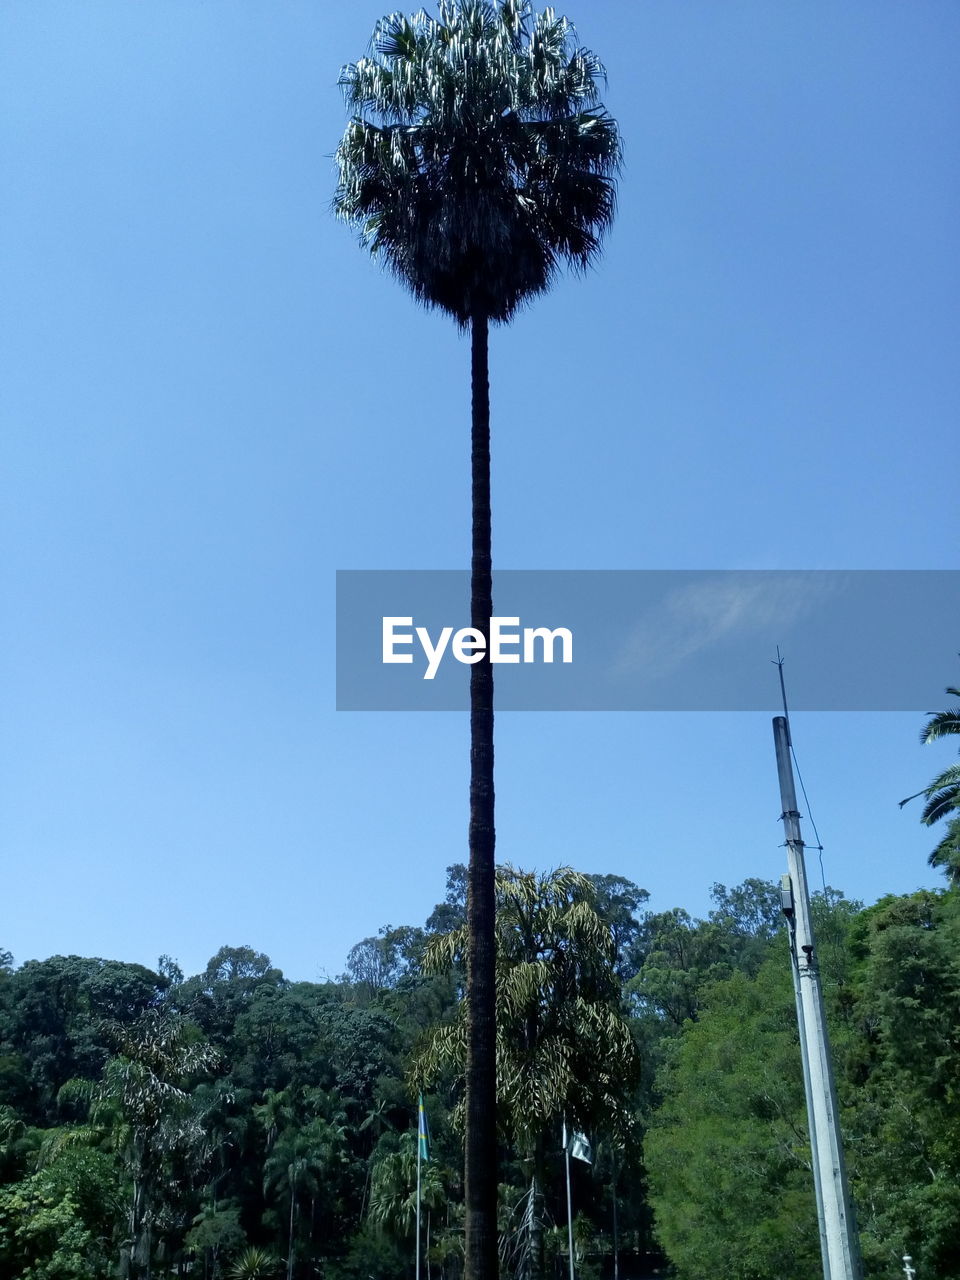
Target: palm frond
943	796
942	723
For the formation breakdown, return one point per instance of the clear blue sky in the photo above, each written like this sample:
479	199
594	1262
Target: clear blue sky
211	400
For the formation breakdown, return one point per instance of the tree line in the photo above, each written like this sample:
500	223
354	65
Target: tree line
235	1123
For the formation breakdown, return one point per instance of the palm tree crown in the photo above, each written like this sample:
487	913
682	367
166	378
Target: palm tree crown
479	157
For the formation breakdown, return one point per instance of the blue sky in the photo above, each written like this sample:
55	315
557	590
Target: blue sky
212	400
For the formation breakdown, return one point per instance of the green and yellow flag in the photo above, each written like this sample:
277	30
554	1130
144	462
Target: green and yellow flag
423	1131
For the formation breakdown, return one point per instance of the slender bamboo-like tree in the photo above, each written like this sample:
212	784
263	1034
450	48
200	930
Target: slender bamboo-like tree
144	1102
477	161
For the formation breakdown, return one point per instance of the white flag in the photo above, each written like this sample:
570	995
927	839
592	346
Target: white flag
578	1146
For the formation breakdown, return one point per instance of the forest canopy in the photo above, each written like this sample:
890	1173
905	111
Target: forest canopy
235	1123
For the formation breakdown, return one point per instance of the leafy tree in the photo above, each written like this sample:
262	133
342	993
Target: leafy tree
58	1223
478	159
51	1024
452	912
905	1064
375	964
727	1154
42	1237
943	794
617	900
215	1234
677	956
750	918
674	957
280	1037
233	978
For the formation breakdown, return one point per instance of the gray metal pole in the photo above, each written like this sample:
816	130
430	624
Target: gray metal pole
843	1253
788	905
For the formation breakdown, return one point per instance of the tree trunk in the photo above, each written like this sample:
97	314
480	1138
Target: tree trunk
480	1161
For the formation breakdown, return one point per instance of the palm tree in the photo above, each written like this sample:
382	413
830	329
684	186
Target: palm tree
254	1264
393	1199
144	1101
943	793
302	1162
478	159
564	1047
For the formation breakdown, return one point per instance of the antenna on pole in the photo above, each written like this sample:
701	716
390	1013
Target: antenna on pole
778	663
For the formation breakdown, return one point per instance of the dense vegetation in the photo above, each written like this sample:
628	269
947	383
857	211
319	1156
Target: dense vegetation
236	1123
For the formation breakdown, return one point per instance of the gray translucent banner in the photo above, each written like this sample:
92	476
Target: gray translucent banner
652	640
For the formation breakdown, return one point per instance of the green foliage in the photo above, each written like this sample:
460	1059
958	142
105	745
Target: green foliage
51	1023
216	1233
371	1253
45	1235
906	1064
300	1145
727	1156
616	901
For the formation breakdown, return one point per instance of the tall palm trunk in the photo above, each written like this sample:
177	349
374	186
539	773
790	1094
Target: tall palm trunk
480	1168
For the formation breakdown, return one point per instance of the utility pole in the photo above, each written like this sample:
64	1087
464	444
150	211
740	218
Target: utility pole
908	1270
839	1244
788	907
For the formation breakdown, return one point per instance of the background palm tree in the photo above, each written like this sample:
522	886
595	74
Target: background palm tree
254	1264
943	793
564	1046
144	1102
393	1199
301	1164
478	159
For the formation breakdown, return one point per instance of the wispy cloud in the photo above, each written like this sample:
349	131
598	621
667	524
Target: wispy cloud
716	608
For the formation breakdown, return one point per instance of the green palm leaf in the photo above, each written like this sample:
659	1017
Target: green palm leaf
943	793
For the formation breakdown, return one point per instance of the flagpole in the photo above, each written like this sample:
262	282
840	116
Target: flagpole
616	1238
419	1145
566	1156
